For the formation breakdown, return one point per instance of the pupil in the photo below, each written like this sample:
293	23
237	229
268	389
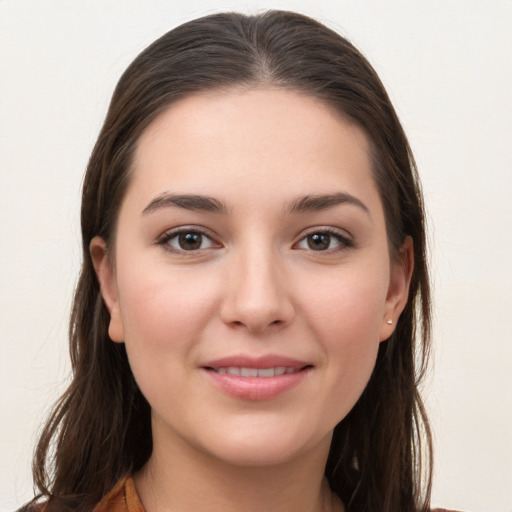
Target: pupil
190	241
319	241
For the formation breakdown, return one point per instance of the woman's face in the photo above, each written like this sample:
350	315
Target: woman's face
251	281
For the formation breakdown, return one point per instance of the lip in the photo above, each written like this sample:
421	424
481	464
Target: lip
256	388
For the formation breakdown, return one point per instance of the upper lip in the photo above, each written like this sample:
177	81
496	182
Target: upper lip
262	362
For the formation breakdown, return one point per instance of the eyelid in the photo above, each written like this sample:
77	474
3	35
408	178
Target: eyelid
345	240
164	238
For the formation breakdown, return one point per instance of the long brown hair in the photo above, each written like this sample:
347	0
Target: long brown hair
101	428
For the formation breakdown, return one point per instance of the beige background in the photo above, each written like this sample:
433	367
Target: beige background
447	66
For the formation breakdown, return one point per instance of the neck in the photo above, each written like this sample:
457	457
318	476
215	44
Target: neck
178	480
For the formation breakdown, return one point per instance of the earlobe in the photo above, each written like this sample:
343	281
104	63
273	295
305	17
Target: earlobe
398	291
106	279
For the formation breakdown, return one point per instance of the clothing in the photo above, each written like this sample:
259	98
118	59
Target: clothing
124	498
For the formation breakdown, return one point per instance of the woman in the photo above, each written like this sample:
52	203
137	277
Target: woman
252	318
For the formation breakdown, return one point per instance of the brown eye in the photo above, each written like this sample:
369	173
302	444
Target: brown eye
187	241
319	241
327	240
190	241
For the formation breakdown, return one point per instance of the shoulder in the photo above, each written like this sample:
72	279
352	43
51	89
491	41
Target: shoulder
122	497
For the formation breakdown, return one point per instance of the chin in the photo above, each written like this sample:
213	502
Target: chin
256	457
257	447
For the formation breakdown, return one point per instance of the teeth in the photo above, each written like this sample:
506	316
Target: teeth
256	372
267	372
248	372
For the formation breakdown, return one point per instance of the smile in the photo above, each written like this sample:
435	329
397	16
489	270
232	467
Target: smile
256	372
256	378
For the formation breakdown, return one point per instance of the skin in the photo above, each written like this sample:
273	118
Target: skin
256	285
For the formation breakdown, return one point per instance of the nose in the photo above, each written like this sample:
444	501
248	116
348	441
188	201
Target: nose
256	295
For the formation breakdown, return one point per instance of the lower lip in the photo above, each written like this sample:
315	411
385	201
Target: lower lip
256	388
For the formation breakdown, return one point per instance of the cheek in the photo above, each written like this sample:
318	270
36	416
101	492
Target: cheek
163	310
164	316
346	320
348	306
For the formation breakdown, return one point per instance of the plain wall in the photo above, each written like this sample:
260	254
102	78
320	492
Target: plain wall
447	67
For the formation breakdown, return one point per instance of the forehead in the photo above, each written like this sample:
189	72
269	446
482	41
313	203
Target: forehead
219	141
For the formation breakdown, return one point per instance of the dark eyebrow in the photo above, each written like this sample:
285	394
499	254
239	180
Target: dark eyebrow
321	202
187	201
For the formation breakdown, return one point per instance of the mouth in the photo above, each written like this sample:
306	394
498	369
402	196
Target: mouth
257	372
262	378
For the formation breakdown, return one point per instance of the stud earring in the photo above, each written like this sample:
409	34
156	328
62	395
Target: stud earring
390	322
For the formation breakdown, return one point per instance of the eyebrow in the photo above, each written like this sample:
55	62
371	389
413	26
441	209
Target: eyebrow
198	202
186	201
322	202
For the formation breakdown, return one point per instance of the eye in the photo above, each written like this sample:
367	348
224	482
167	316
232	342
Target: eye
187	240
326	240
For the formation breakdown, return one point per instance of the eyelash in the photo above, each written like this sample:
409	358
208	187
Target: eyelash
164	240
344	241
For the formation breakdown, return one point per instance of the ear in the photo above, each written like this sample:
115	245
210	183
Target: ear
107	282
398	291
